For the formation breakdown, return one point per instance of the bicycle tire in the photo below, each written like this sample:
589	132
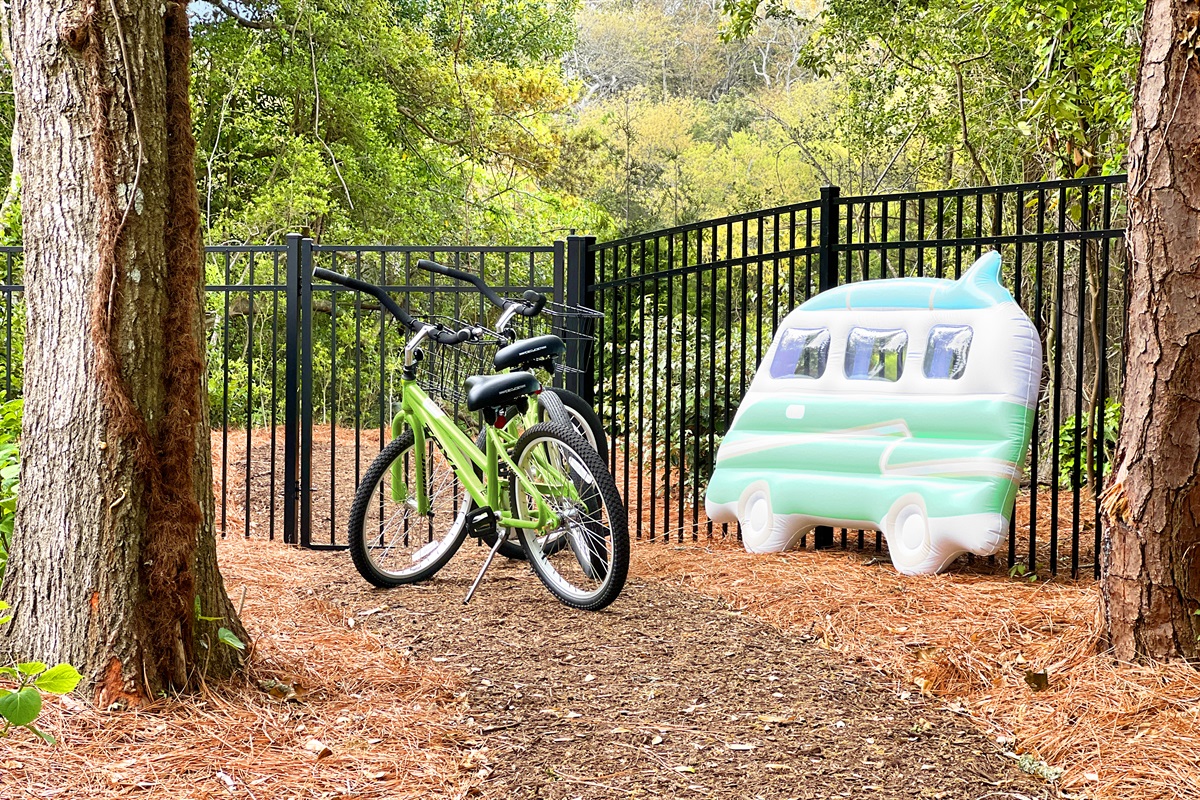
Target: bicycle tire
416	559
585	420
585	561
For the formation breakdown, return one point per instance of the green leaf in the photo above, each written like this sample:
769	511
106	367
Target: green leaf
10	672
11	471
59	679
31	668
22	707
227	636
45	737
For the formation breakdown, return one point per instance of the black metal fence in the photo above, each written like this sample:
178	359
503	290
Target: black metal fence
301	380
690	311
245	327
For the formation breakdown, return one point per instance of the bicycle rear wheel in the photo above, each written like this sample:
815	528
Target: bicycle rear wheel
584	561
584	419
390	543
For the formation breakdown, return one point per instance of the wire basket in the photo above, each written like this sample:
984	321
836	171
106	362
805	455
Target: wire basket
445	367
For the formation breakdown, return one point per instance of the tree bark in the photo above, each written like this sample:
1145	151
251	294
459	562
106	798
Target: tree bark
1151	573
113	552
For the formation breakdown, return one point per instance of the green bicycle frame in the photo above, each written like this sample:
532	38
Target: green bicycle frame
421	413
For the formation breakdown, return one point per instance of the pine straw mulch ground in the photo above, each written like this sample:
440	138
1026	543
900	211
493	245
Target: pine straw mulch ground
667	693
389	722
974	643
844	678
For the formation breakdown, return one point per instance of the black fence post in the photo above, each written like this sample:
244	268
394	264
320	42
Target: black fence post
827	268
827	278
559	295
291	396
581	274
306	390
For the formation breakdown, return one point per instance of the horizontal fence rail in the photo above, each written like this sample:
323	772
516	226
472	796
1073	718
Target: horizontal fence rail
690	311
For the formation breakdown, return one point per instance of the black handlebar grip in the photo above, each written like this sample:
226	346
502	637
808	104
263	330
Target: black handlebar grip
536	301
441	269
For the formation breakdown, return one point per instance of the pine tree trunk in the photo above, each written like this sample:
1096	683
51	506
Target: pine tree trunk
113	550
1151	580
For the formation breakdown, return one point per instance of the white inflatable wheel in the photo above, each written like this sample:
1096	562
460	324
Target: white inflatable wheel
907	531
763	531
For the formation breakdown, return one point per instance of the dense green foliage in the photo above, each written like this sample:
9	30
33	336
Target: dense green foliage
510	121
384	121
996	93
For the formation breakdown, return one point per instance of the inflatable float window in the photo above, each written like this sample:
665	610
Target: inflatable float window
875	355
931	455
802	353
946	355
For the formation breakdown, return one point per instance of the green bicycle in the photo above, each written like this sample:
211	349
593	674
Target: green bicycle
536	354
432	485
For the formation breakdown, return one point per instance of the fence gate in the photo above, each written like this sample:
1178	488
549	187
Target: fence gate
344	356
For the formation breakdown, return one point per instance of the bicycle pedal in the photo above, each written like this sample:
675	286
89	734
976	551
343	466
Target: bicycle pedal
482	521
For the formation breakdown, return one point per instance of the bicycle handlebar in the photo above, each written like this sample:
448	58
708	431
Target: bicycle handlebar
534	300
438	334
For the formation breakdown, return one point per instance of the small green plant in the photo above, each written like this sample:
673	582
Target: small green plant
20	706
1068	452
224	635
10	473
1019	571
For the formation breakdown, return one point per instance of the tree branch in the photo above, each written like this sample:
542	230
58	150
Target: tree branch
265	24
962	111
423	128
797	139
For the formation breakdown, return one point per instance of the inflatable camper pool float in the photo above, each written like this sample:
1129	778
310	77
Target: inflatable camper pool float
903	405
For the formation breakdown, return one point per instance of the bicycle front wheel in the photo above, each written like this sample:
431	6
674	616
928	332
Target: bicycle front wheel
390	542
584	560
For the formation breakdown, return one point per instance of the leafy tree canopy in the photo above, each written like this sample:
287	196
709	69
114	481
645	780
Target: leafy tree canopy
1010	90
374	120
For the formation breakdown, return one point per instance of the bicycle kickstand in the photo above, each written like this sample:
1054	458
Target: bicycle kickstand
484	518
